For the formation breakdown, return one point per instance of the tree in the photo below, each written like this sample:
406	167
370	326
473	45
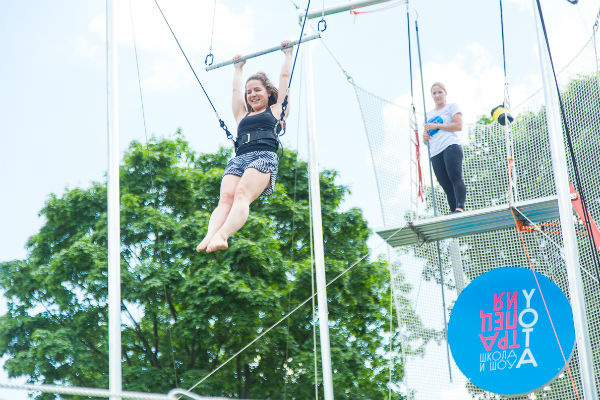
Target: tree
184	313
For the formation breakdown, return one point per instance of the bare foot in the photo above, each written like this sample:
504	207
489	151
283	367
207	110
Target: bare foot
203	244
218	242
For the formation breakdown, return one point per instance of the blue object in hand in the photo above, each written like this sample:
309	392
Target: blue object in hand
435	120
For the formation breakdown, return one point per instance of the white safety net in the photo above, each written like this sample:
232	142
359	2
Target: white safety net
431	373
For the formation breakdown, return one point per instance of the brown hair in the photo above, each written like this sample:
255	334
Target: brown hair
271	89
439	84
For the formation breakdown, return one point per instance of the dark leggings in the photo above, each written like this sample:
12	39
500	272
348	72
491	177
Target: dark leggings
448	170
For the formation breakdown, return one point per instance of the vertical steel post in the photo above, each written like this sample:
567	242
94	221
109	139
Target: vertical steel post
317	226
114	236
561	178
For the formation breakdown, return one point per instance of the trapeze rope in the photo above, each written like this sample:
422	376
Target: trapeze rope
344	272
322	25
152	188
539	287
280	126
588	224
413	112
506	104
297	164
439	257
208	61
221	122
137	66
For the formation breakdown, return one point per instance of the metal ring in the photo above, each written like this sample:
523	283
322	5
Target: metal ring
322	29
209	57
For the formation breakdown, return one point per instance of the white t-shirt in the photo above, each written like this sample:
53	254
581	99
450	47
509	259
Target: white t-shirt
441	139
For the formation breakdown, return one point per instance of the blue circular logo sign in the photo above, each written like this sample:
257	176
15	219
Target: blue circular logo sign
501	335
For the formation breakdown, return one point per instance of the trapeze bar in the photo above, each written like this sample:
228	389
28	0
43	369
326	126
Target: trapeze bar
472	222
339	8
260	53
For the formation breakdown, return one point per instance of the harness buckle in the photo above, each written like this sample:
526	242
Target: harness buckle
247	138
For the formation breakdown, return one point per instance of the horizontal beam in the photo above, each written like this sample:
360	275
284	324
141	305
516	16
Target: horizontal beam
263	52
339	8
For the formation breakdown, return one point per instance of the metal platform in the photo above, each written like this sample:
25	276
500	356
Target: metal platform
471	222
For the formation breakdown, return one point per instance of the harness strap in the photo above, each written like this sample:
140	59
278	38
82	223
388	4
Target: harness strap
252	136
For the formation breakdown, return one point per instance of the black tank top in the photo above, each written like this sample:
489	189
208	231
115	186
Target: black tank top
264	121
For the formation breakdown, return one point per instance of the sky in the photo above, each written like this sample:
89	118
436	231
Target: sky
53	82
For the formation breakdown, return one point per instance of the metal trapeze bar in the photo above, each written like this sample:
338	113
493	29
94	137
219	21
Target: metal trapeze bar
472	222
338	8
263	52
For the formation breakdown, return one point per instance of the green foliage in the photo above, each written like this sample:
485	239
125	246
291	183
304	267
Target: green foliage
185	313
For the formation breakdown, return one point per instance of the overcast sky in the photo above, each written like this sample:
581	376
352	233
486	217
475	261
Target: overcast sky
53	103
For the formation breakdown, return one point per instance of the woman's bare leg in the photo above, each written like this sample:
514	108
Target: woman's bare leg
218	216
251	185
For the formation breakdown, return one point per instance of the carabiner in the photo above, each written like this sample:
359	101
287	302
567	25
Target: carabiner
209	57
324	25
279	128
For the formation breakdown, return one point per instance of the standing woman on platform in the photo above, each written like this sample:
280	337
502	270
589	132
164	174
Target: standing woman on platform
444	147
252	172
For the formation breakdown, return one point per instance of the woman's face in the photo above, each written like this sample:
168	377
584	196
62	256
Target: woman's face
257	95
439	95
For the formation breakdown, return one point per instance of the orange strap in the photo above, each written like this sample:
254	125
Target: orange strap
420	183
576	202
510	161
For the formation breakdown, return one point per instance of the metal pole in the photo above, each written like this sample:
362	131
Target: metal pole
263	52
317	228
561	178
435	213
457	266
114	239
339	8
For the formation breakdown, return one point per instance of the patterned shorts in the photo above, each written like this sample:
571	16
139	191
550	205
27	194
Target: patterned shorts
264	161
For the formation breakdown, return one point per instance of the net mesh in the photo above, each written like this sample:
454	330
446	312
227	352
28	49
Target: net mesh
430	372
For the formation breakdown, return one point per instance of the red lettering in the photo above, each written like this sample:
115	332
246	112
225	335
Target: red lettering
499	322
488	341
511	300
498	303
485	316
503	342
514	344
514	320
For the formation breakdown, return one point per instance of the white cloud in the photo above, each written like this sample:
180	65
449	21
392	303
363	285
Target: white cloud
191	20
88	50
476	83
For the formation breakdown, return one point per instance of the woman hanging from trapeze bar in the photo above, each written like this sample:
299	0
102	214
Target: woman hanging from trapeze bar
253	170
443	122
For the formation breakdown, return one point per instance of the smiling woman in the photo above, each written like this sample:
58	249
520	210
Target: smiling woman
253	170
